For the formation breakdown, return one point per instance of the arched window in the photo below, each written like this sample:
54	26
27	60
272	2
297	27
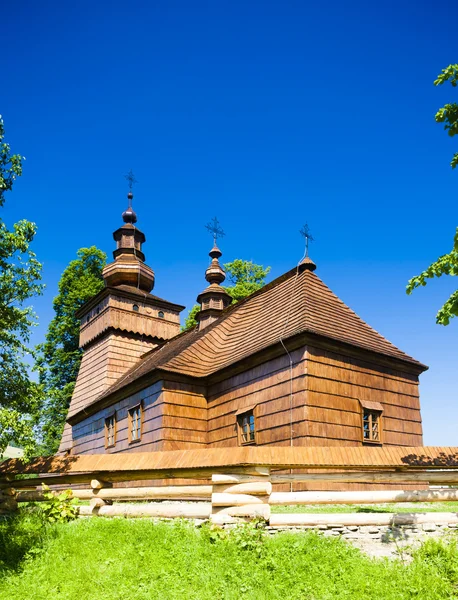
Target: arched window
160	314
135	308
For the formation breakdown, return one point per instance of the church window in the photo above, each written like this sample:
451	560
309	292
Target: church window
110	431
246	428
135	308
371	425
160	314
135	423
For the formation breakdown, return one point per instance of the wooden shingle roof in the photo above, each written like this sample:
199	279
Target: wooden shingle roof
295	303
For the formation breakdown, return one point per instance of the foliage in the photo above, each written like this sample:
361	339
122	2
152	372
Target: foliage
444	265
10	165
191	319
60	356
22	536
58	507
448	114
448	263
20	275
246	278
176	560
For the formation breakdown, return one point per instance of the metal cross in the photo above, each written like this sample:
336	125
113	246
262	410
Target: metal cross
305	233
131	179
215	228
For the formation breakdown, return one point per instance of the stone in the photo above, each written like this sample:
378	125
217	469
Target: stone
353	528
374	530
429	527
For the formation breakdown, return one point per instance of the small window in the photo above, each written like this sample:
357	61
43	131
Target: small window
110	431
246	428
160	314
371	425
135	423
135	308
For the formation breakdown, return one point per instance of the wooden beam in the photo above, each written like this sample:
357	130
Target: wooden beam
362	497
433	478
190	492
164	511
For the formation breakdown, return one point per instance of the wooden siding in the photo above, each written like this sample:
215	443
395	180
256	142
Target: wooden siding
103	363
335	386
184	416
117	312
89	435
268	387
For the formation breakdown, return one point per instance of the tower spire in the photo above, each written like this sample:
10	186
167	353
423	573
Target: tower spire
129	267
129	215
307	262
214	299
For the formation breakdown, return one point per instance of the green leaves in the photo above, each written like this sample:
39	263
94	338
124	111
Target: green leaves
58	507
10	165
246	277
20	280
60	356
448	114
444	265
448	263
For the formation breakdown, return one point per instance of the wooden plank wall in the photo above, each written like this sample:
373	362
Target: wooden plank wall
336	384
268	386
103	363
89	435
184	416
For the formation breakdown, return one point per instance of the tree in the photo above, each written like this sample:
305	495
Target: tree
448	263
444	265
246	277
59	357
20	275
448	114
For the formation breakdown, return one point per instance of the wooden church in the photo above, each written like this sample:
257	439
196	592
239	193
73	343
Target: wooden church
289	365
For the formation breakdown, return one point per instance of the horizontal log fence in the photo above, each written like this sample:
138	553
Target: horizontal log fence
241	489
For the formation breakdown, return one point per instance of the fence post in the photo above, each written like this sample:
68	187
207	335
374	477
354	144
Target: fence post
8	502
241	497
96	502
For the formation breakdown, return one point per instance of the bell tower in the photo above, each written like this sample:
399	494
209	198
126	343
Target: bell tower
122	322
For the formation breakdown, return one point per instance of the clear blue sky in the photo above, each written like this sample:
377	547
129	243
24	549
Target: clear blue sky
266	114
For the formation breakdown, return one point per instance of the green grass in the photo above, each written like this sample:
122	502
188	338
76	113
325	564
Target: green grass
401	507
122	559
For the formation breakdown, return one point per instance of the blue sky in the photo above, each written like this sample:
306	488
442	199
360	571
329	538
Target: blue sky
266	114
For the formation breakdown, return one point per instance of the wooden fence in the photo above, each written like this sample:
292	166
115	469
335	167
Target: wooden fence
233	484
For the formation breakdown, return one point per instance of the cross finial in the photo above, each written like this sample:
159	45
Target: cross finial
214	227
131	179
305	233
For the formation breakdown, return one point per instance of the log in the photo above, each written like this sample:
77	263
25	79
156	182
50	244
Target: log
437	477
228	478
96	484
255	488
232	514
165	511
184	492
132	475
365	497
312	520
237	499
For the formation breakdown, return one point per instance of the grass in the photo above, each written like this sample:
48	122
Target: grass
120	559
401	507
